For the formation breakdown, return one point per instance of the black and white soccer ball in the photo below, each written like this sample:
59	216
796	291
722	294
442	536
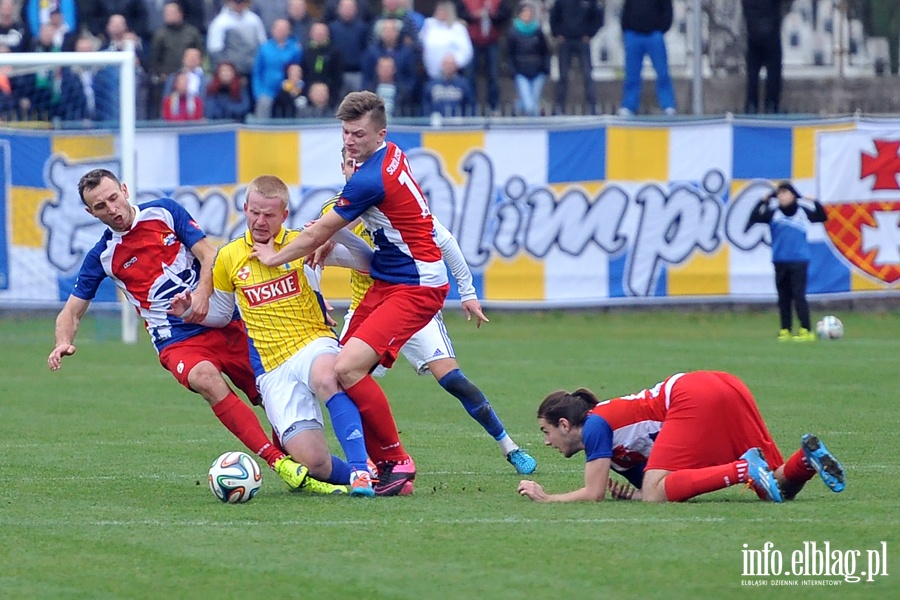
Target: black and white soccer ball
235	477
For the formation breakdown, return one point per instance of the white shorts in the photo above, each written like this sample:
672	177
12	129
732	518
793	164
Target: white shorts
429	344
291	405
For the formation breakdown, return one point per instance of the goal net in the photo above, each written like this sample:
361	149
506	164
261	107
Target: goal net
61	114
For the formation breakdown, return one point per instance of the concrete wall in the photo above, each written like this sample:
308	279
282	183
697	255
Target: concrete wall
821	96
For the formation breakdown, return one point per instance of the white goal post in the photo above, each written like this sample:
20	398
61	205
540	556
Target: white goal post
125	60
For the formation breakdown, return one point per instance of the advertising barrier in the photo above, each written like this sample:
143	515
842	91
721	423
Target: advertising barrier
605	212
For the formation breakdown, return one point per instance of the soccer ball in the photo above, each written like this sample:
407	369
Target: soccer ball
234	477
830	328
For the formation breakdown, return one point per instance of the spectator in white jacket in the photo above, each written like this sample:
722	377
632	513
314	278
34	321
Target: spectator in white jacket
235	36
441	35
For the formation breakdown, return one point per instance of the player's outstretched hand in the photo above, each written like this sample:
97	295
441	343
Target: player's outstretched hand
54	361
264	252
533	490
180	305
621	491
199	307
328	308
317	258
473	307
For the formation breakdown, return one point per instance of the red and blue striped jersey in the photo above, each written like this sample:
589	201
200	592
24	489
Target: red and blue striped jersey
394	210
623	429
150	263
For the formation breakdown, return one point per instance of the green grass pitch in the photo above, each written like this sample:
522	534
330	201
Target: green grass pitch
104	492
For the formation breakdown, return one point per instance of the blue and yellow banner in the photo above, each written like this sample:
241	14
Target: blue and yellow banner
608	212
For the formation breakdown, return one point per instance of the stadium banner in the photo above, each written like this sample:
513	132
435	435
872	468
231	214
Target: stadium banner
601	213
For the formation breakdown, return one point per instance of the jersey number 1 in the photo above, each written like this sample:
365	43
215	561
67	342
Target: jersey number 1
405	179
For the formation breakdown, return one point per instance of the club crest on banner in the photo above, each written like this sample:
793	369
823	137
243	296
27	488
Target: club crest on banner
857	175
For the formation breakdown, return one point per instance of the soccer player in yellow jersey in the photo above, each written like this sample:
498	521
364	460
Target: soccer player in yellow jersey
292	347
431	350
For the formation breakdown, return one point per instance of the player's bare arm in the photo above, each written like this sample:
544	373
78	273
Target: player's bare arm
66	327
596	478
305	243
206	254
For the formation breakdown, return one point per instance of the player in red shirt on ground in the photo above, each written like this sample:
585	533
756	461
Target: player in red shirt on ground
714	437
153	251
410	279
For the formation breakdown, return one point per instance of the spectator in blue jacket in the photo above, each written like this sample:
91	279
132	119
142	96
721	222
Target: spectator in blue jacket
644	22
389	44
449	95
350	35
268	69
789	215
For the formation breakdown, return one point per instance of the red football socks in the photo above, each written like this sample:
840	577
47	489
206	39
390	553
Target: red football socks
683	485
379	428
796	470
240	420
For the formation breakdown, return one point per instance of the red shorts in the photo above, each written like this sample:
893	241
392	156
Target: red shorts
226	348
712	420
390	314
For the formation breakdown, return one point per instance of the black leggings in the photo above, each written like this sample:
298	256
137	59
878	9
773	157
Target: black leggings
790	281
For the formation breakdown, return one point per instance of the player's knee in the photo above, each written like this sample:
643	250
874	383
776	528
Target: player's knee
327	387
657	494
319	465
317	459
206	380
653	488
324	382
347	373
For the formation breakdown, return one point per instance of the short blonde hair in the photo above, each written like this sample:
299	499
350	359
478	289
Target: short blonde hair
270	186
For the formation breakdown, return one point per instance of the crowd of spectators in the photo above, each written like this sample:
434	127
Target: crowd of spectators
271	59
288	59
276	59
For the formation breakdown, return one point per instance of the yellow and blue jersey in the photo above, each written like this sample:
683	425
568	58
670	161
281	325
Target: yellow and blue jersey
281	306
